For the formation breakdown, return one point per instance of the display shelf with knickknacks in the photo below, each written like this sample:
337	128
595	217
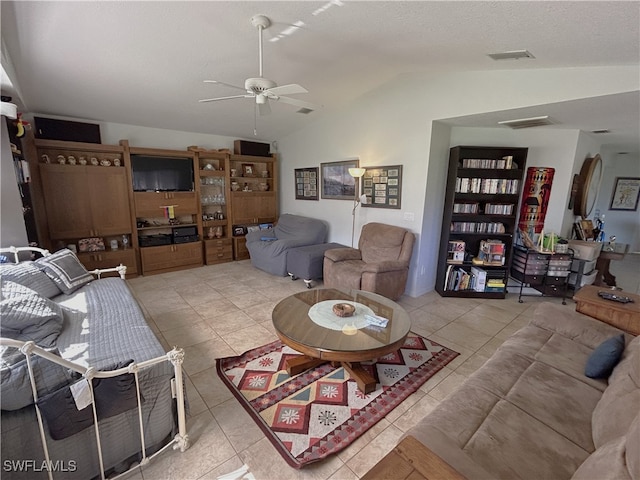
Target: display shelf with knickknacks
482	194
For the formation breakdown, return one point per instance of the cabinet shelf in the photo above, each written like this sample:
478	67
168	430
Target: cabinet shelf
162	227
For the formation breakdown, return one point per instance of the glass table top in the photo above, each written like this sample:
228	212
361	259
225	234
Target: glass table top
306	320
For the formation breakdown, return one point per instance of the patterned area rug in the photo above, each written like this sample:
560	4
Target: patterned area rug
321	411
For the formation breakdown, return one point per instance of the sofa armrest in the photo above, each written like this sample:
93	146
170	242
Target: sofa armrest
342	254
386	266
256	235
577	326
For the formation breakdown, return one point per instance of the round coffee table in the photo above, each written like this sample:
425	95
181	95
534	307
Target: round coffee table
306	322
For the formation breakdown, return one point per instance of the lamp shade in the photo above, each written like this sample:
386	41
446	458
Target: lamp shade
356	172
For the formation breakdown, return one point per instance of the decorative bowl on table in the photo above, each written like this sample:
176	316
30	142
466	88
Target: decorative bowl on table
343	309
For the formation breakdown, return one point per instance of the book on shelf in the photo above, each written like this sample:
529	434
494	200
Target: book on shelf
481	279
492	252
455	252
504	163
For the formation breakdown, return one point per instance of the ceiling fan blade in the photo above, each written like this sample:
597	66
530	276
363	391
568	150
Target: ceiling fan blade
297	103
224	98
264	108
225	84
290	89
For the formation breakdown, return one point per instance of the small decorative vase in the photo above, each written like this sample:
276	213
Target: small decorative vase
210	233
218	232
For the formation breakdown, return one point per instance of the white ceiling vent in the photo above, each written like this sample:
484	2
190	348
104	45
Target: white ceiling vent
527	122
603	130
512	55
304	110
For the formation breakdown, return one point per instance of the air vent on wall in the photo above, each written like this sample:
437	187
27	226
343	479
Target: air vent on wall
512	55
527	122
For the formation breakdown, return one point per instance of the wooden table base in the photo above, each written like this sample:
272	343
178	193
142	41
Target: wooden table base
365	381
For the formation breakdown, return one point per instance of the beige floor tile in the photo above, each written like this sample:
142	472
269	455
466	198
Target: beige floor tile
344	473
196	404
185	337
480	324
447	386
366	458
417	412
436	379
241	430
183	318
209	449
473	363
230	322
409	402
445	308
464	336
227	467
266	463
202	356
363	440
214	308
246	300
426	322
210	388
247	338
198	293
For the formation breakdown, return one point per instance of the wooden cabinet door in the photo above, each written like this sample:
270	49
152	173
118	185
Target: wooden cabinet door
253	207
66	193
150	204
166	257
110	259
109	200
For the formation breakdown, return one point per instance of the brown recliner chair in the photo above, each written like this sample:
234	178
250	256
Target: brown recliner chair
380	264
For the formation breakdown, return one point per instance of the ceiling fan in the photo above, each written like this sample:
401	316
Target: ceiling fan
263	89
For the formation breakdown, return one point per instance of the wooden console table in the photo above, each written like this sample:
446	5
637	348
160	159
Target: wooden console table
609	252
411	460
625	316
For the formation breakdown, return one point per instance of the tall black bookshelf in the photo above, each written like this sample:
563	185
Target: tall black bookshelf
481	210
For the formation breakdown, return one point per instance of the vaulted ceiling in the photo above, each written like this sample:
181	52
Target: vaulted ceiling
143	63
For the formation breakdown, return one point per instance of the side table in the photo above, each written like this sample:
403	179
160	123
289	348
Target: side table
610	251
625	316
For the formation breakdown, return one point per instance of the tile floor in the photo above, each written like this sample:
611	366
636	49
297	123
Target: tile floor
224	310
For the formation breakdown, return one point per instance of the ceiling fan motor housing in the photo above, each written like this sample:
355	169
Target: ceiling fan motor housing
258	85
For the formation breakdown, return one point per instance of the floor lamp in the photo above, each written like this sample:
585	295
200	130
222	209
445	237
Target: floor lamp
356	173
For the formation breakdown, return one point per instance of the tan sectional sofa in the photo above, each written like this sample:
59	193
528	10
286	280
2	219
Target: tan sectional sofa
530	412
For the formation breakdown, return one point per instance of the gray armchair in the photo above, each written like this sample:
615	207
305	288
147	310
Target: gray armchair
268	248
380	264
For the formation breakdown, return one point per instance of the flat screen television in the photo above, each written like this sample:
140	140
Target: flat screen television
161	174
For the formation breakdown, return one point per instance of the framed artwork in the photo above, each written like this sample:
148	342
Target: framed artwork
247	169
336	182
625	194
306	183
382	186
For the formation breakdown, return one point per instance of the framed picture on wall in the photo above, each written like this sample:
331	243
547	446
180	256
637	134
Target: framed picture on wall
336	181
306	183
382	186
625	194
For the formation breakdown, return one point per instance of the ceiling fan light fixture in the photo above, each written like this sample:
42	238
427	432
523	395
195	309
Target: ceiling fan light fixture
528	122
511	55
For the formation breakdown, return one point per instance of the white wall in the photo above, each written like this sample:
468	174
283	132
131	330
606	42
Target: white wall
394	125
12	228
625	225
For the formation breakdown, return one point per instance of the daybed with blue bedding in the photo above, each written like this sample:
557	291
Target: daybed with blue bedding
63	313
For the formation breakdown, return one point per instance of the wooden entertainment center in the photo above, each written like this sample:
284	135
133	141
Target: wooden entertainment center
86	191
